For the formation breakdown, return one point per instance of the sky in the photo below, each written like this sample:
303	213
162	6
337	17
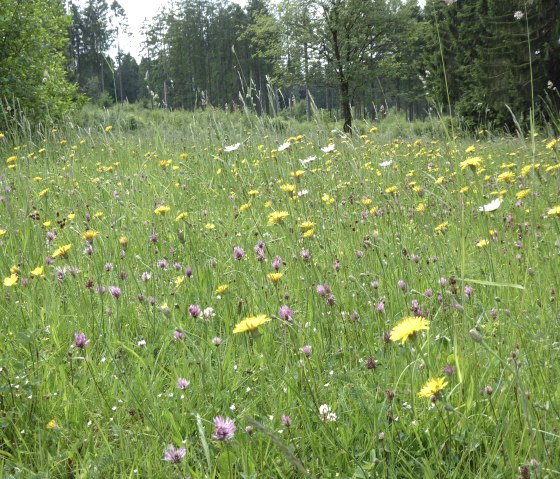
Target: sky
136	12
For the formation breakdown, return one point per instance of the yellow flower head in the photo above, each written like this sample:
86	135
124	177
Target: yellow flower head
288	188
277	217
552	144
221	289
306	225
522	194
473	163
274	277
482	243
210	226
391	189
161	210
308	233
251	324
181	216
297	174
506	176
408	327
244	207
11	280
2	232
62	252
123	241
441	227
432	387
43	192
554	211
38	271
108	128
52	425
89	235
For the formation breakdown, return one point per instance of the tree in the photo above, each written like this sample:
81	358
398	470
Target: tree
33	39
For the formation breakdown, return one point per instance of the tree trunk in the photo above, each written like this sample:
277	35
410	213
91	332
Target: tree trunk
345	104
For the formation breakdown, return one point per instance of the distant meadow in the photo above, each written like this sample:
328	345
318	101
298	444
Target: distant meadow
211	294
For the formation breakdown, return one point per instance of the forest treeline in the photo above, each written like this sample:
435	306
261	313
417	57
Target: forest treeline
481	60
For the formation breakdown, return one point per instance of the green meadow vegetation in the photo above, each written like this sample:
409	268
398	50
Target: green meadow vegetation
215	294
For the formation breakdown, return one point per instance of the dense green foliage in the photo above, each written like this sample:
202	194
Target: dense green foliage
33	78
128	232
497	55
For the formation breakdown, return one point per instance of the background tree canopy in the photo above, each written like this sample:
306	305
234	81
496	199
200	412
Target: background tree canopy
33	73
479	60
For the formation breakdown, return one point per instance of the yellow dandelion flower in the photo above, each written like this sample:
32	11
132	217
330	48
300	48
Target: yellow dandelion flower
11	280
464	189
274	277
52	425
221	289
46	224
179	280
277	217
391	189
161	210
408	327
482	243
421	208
432	387
108	128
244	207
209	226
473	163
89	235
366	201
183	156
251	323
181	216
306	225
552	144
11	160
308	233
441	227
470	149
522	194
123	241
288	188
439	181
555	210
164	163
43	192
38	271
297	174
253	192
2	232
62	252
506	176
71	216
98	215
268	204
327	199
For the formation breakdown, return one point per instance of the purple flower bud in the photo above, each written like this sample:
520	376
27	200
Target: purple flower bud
305	255
286	420
238	253
183	383
285	313
115	291
276	262
194	310
80	341
306	350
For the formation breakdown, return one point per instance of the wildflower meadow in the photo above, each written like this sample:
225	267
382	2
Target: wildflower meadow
206	295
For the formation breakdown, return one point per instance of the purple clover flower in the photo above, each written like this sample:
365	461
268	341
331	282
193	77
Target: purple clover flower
224	429
173	454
